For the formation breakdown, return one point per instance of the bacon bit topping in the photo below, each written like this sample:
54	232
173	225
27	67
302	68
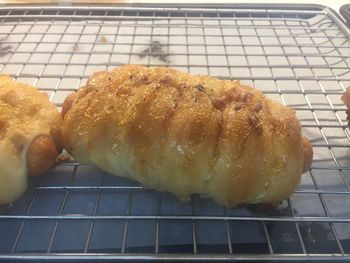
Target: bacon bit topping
247	96
255	122
238	106
219	104
144	78
233	94
200	88
258	107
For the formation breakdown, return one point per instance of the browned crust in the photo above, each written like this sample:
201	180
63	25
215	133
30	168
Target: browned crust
67	104
308	155
41	155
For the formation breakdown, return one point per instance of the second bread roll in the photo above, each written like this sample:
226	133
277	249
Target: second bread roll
30	136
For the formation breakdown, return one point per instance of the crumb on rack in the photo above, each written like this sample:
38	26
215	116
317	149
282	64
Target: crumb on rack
76	47
64	156
103	39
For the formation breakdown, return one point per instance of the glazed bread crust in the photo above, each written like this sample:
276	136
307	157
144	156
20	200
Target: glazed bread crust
30	136
186	134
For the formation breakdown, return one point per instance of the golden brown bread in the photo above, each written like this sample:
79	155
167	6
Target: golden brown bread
346	99
30	136
187	134
41	155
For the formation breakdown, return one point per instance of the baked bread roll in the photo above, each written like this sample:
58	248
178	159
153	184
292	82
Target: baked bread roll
186	134
30	136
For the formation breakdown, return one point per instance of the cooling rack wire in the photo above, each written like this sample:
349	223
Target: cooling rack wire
299	57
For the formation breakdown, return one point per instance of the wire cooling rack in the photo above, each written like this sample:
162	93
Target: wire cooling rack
298	55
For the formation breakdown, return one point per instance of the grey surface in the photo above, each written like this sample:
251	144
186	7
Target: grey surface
299	58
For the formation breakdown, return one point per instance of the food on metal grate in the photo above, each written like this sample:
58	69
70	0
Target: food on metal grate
346	99
187	134
29	136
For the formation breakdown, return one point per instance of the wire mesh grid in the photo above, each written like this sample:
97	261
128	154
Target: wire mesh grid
298	57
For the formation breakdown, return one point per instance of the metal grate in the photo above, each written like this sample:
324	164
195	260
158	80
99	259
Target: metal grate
298	56
345	12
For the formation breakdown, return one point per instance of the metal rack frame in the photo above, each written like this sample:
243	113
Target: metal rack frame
299	57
